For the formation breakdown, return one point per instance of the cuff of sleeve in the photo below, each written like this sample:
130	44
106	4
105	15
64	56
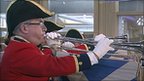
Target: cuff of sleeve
93	58
83	61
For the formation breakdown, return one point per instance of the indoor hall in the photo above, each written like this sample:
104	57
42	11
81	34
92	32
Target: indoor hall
119	20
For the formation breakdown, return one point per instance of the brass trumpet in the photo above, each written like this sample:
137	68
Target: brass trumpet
124	45
131	46
89	41
118	45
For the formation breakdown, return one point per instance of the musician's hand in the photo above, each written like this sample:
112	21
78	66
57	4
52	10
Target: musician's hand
53	35
51	41
102	47
99	37
68	45
62	53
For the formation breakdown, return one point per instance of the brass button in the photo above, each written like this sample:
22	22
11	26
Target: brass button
80	63
78	55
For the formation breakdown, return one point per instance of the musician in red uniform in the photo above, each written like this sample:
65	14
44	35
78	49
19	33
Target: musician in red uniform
73	33
24	61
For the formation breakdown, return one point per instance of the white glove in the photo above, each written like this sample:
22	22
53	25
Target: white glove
53	35
68	45
62	53
99	37
51	41
102	47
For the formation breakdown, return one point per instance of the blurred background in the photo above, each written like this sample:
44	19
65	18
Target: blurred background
92	17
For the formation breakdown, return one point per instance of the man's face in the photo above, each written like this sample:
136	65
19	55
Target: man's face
36	31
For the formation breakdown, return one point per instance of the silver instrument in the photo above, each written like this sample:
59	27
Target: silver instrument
123	44
131	46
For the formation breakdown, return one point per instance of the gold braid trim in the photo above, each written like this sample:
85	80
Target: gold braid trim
10	4
76	63
41	7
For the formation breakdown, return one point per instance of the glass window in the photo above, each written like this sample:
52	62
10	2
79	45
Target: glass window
3	27
77	14
135	6
132	26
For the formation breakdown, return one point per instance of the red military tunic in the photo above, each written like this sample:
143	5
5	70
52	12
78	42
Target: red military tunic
23	61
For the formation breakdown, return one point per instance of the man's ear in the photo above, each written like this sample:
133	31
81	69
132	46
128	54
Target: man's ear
24	28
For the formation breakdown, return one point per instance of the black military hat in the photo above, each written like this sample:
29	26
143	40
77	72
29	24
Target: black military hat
73	33
52	24
22	10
